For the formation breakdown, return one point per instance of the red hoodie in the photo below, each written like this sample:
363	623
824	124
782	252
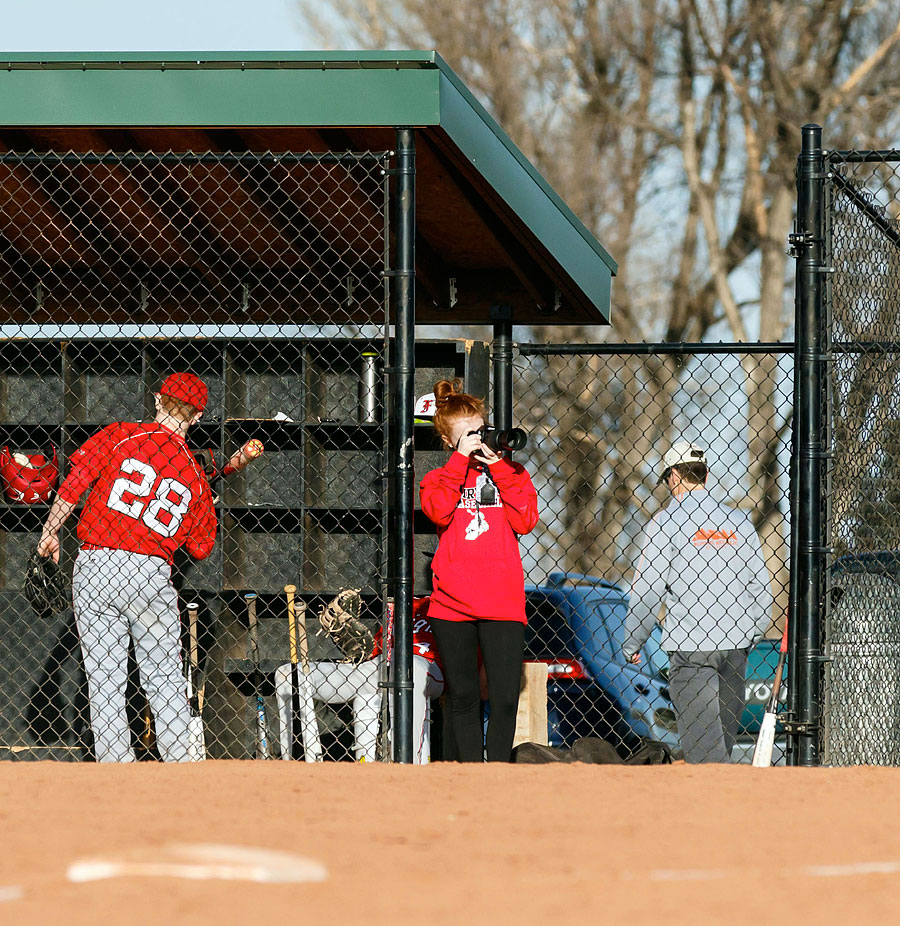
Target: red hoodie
478	511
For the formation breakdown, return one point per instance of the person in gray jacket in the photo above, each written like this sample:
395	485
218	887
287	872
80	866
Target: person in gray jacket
704	561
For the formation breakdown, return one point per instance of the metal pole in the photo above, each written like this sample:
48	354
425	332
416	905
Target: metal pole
501	363
809	243
403	399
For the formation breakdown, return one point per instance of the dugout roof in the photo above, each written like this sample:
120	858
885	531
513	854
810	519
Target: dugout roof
490	230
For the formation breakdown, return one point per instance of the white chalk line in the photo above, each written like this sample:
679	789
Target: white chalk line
202	862
11	892
689	874
850	870
859	868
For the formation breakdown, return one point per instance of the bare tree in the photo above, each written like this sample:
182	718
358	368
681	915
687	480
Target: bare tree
671	128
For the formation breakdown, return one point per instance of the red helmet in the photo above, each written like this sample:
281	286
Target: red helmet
29	478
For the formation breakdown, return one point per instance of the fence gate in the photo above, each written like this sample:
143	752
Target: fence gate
263	275
600	418
860	700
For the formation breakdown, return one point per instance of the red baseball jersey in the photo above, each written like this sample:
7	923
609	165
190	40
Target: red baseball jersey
423	637
479	510
148	493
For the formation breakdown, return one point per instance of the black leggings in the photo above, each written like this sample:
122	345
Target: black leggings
502	649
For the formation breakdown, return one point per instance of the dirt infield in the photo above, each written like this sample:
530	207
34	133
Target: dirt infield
448	844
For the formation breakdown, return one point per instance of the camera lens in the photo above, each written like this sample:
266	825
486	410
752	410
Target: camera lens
511	440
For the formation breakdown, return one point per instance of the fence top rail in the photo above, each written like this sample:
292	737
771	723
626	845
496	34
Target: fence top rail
887	154
866	347
661	347
190	157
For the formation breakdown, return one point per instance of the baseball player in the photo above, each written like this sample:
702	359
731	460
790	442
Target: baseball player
148	497
338	683
705	562
428	676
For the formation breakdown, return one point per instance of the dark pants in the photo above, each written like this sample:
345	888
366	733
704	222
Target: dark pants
707	691
502	646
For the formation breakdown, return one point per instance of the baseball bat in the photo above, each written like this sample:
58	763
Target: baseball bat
147	742
262	724
312	743
386	682
240	458
197	746
765	741
235	463
290	591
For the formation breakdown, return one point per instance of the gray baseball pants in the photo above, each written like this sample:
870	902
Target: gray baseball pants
707	691
118	594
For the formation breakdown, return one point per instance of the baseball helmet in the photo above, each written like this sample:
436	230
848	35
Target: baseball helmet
29	478
423	413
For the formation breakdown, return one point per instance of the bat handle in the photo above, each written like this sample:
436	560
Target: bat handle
262	732
303	641
253	634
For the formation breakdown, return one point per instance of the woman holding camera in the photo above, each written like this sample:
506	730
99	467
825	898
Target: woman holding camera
480	503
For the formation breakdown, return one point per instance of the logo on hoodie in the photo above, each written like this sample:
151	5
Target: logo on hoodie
717	539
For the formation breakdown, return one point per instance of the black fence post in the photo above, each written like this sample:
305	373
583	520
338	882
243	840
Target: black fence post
403	399
793	507
501	363
809	245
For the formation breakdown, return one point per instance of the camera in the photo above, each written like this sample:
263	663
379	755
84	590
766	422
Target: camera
512	440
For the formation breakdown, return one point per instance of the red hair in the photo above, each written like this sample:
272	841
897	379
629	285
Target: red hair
452	403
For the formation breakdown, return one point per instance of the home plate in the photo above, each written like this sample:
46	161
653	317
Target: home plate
201	862
10	892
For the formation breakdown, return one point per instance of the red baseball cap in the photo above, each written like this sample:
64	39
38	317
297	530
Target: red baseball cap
186	388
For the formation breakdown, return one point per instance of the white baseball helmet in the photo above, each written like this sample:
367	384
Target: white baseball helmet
425	408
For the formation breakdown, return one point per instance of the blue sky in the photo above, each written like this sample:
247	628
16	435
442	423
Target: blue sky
152	25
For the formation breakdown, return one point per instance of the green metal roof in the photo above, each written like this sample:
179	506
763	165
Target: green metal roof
353	91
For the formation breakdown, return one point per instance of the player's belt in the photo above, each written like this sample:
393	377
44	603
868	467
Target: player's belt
90	547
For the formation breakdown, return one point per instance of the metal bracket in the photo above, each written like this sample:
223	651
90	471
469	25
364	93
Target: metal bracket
555	307
797	728
350	282
800	239
452	292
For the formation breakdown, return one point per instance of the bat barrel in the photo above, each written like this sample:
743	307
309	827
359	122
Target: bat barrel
290	591
249	451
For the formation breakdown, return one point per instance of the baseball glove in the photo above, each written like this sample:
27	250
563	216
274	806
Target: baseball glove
339	619
45	586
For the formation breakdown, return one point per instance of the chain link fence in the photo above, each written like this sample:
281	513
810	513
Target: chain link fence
263	275
861	694
600	419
